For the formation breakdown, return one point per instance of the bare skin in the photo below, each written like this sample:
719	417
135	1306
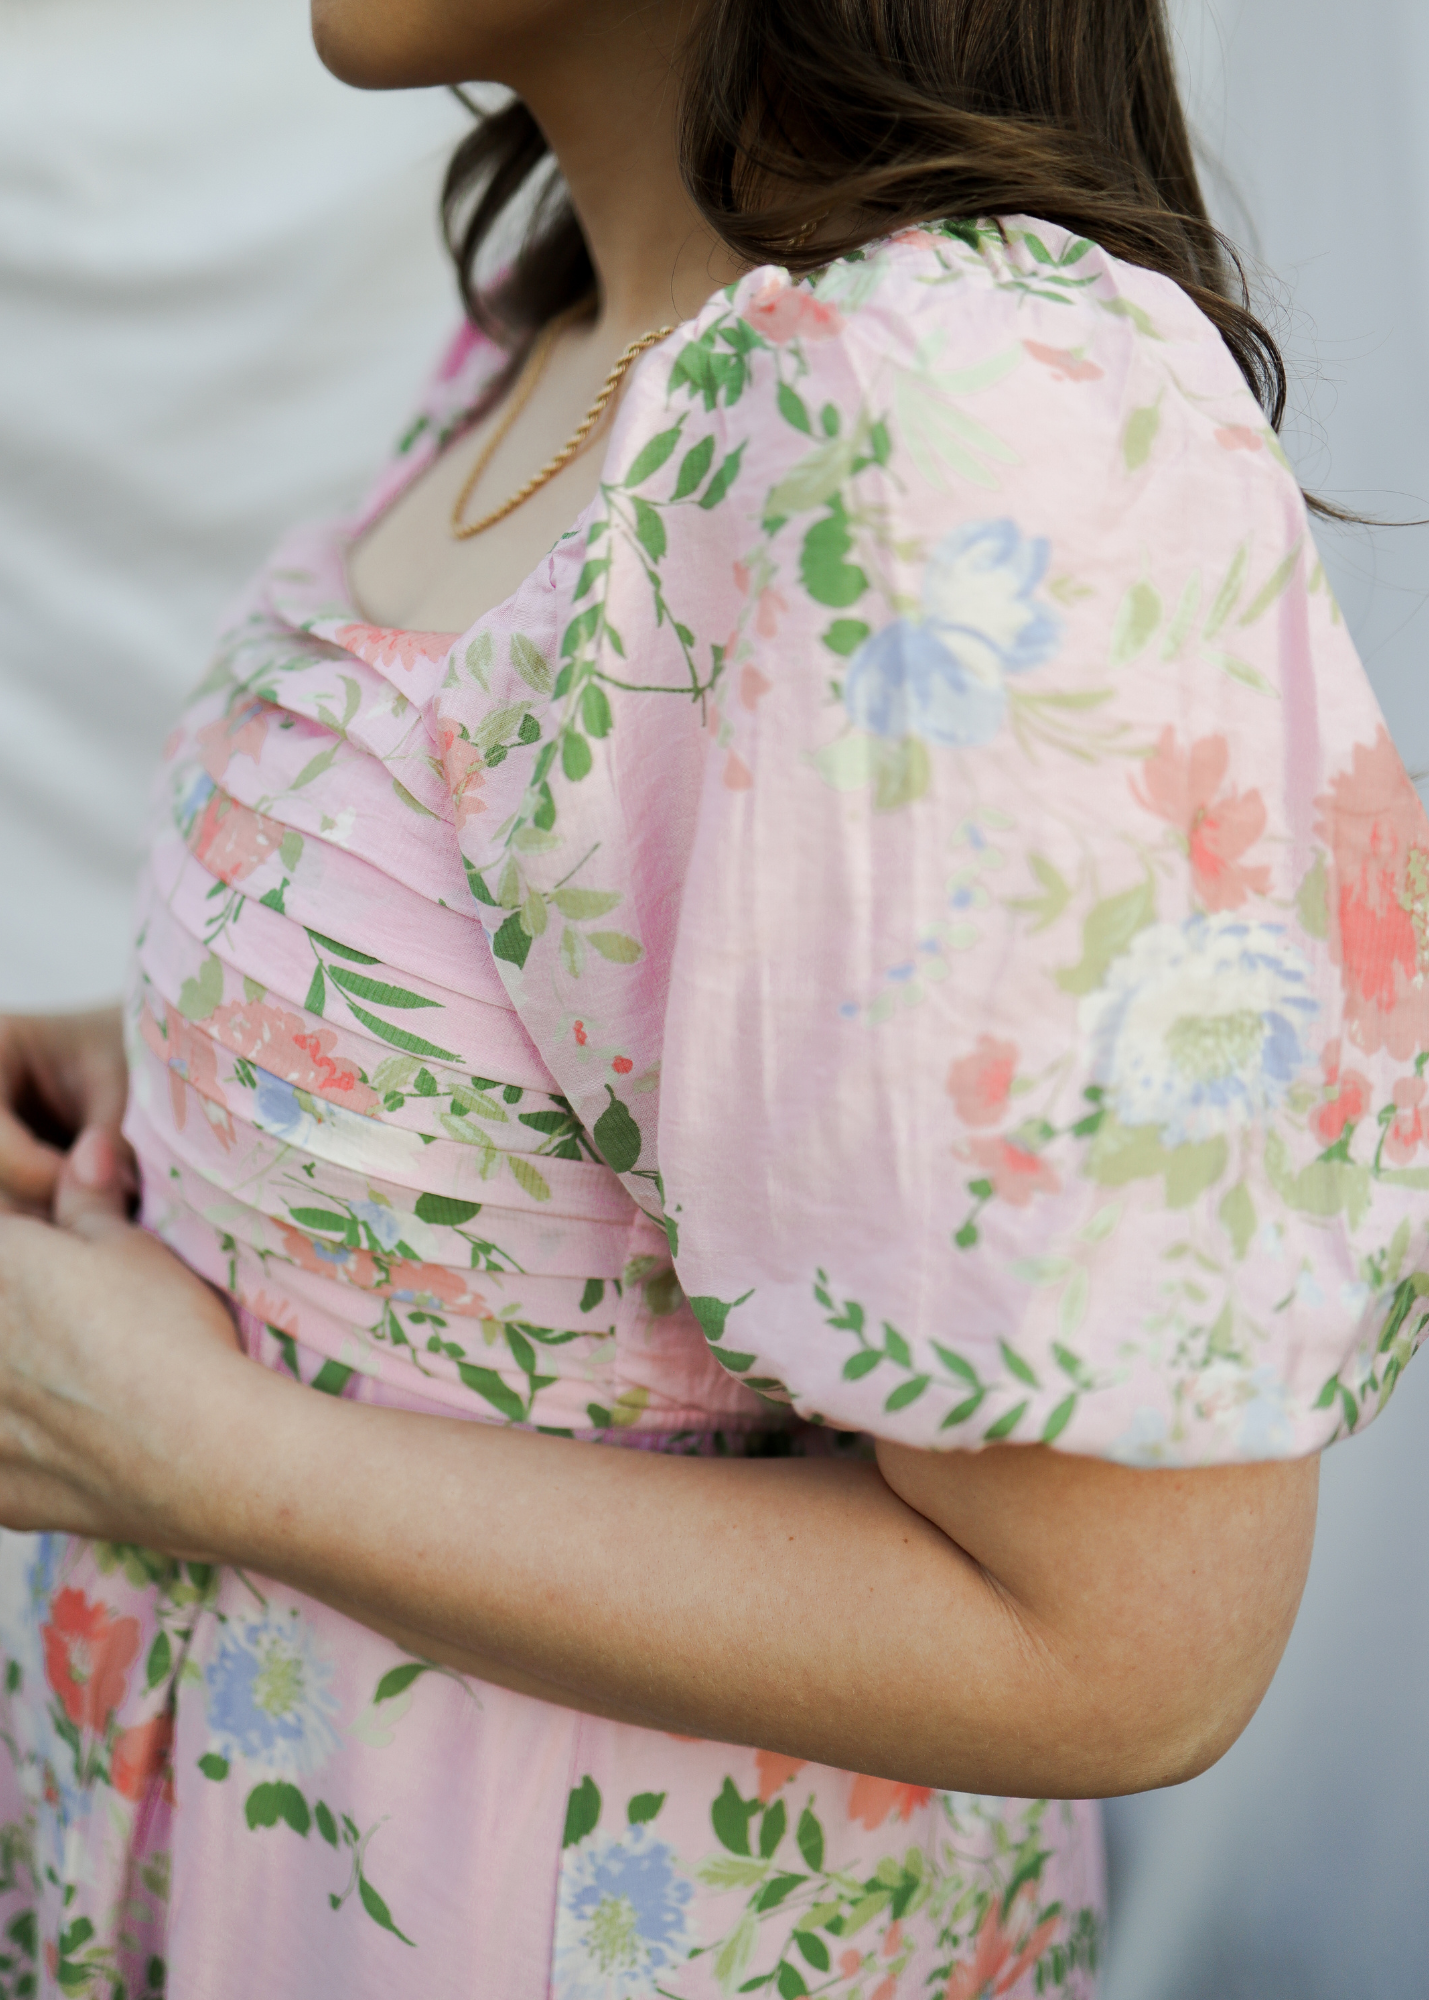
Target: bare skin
1014	1621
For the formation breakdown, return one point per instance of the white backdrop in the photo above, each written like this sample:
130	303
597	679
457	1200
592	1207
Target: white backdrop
219	286
1298	1869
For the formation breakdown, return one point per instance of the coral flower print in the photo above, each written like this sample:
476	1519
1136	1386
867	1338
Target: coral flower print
979	1083
781	311
231	841
1016	1173
141	1754
622	1925
1006	1947
1184	787
942	678
88	1654
1347	1100
1065	362
873	1799
1409	1128
465	767
289	1046
1374	826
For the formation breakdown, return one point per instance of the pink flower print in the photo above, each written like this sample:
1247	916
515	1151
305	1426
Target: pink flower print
388	645
979	1084
849	1962
893	1939
770	608
997	1944
1066	363
752	686
1016	1174
580	1034
622	1065
915	239
1374	826
429	1285
737	775
1239	437
273	1312
1349	1099
240	734
885	1989
326	1259
289	1046
775	1770
781	311
465	768
188	1055
1410	1127
1183	787
231	841
873	1799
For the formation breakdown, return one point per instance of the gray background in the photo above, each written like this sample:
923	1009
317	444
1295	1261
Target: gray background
219	287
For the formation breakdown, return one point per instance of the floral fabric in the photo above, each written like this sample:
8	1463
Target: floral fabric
908	922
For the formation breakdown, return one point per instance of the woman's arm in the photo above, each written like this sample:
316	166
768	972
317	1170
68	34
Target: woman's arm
1016	1621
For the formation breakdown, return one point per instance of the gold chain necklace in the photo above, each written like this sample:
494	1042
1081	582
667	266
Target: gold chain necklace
530	375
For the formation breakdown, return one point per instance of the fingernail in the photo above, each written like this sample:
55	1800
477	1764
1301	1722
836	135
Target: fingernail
92	1158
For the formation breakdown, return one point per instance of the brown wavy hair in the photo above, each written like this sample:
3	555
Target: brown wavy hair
863	116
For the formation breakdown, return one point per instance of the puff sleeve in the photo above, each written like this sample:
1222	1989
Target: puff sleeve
968	889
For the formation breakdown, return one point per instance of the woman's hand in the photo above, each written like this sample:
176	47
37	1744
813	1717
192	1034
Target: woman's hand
119	1369
58	1074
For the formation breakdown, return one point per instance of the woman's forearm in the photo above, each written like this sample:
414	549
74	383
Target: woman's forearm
1122	1637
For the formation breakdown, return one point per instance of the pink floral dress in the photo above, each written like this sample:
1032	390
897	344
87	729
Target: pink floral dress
907	923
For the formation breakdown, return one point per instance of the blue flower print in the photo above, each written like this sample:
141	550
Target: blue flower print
269	1695
941	677
622	1922
1198	1027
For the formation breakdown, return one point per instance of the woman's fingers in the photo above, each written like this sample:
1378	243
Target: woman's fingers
95	1185
58	1074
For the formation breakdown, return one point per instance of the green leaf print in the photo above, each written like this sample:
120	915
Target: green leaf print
617	1135
652	456
512	941
1272	587
792	410
649	530
1059	1419
619	948
198	997
582	1812
595	710
723	479
827	577
160	1660
1140	434
489	1385
326	1824
316	998
268	1803
693	467
530	662
730	1816
379	991
399	1038
810	1836
213	1766
575	755
1006	1424
644	1807
772	1829
845	636
410	801
580	905
331	1379
445	1210
712	1313
1135	625
1225	599
1107	930
530	1178
398	1679
378	1910
790	1981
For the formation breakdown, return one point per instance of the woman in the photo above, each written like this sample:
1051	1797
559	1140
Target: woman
864	936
